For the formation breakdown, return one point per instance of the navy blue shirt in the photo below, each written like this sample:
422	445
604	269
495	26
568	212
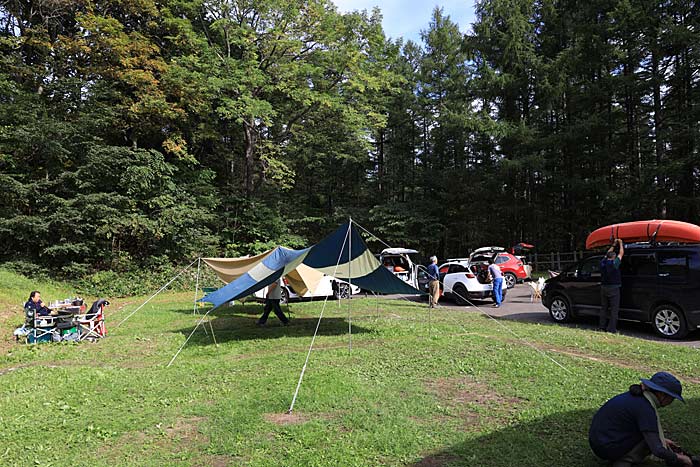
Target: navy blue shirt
38	308
433	272
610	272
619	424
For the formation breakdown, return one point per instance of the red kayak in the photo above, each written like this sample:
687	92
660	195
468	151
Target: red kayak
645	231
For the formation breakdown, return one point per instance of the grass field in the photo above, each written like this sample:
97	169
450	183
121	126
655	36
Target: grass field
471	393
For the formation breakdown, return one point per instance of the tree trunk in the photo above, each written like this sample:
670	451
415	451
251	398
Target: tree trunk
250	142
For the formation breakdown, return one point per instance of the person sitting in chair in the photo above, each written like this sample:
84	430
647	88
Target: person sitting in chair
36	305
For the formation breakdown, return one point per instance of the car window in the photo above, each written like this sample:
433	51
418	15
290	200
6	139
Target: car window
638	264
674	264
590	268
457	268
502	259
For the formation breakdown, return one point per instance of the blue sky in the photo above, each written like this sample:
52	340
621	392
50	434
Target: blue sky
406	18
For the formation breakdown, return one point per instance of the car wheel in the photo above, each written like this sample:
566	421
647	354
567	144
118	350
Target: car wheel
510	279
669	322
285	296
342	291
461	296
560	310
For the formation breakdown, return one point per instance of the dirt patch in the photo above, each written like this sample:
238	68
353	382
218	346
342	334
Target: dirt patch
473	402
181	435
283	419
218	461
610	361
186	430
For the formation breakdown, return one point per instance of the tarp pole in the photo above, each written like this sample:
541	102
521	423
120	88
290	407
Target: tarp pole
430	322
155	294
350	287
196	287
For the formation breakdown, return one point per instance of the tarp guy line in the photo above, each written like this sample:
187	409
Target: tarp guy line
318	324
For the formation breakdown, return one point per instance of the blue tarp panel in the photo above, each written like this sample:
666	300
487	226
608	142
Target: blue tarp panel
268	271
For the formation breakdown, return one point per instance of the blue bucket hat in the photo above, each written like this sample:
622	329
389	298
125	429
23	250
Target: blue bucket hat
666	383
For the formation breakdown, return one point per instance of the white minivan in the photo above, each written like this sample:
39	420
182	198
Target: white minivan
400	263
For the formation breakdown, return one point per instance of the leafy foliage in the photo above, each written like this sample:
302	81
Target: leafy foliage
138	129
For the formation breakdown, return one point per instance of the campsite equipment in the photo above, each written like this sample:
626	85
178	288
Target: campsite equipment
343	255
645	231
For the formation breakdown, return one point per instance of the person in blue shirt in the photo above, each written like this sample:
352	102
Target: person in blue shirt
434	281
36	305
626	429
610	284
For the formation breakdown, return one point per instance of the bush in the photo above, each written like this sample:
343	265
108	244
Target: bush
144	281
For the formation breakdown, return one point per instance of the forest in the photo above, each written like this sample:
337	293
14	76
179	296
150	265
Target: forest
141	132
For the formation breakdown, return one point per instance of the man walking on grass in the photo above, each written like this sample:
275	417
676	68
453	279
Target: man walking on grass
272	303
610	284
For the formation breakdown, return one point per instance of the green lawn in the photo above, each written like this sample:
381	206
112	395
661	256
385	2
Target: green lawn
473	394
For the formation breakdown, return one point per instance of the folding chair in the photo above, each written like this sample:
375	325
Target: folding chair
91	325
44	329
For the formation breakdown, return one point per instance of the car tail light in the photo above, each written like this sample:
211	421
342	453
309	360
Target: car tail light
470	275
286	282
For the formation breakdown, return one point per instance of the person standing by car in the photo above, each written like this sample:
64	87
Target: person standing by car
627	428
272	302
610	285
433	281
496	281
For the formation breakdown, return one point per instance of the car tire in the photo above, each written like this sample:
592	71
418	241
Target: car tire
511	279
668	321
342	291
560	309
460	294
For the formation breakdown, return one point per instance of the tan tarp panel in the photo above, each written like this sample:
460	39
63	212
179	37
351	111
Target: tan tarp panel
230	269
302	279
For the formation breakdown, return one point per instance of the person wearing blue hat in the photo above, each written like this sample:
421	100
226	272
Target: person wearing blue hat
627	428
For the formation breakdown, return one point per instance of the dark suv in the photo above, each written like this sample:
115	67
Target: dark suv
660	285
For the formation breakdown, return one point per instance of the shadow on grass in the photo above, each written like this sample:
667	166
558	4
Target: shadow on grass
557	440
242	328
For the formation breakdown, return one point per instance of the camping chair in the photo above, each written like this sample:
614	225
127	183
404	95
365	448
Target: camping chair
536	292
43	330
91	325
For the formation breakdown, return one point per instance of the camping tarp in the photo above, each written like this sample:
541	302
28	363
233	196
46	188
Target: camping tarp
343	254
302	279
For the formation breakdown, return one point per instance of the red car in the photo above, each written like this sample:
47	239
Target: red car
514	269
